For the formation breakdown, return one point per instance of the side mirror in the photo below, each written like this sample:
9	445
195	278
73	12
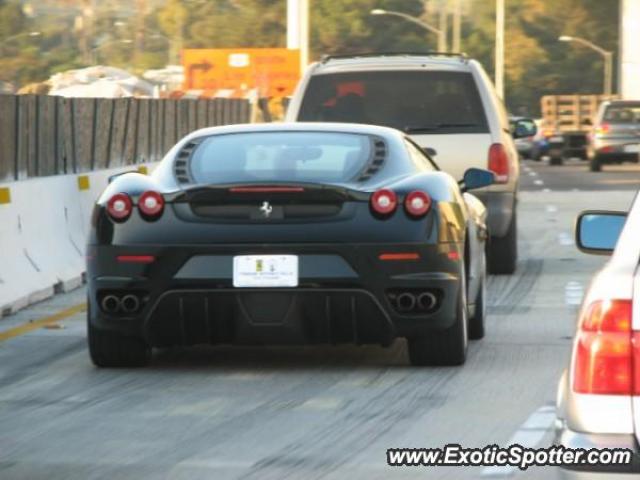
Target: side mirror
597	231
476	178
525	127
430	151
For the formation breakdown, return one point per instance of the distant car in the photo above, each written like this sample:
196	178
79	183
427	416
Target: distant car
615	137
446	102
598	403
540	144
524	145
288	234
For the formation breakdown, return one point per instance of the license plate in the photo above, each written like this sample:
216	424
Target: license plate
557	139
632	148
265	271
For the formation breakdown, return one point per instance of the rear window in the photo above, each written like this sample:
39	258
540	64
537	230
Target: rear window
623	113
415	102
281	157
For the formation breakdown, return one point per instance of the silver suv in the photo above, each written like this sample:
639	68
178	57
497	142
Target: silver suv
616	134
446	103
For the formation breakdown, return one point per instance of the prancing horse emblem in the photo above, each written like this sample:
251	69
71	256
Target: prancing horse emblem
266	209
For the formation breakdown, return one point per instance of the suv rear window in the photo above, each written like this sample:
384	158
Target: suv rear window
281	157
623	113
412	101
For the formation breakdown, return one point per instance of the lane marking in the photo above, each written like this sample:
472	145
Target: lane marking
565	239
573	293
538	182
552	209
532	174
546	189
529	435
36	324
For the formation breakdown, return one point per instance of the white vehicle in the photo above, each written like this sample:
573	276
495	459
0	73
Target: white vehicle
598	403
446	103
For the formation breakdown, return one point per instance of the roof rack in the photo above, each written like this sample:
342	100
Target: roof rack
461	56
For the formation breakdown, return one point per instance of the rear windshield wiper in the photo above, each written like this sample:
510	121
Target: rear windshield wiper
436	126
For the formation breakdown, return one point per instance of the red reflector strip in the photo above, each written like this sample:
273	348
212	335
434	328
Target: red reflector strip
266	189
399	256
136	258
453	256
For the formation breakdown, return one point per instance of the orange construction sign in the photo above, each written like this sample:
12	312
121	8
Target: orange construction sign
274	72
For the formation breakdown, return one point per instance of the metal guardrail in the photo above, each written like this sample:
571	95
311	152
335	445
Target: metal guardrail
46	135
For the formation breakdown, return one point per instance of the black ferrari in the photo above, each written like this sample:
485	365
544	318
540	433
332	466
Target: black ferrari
288	234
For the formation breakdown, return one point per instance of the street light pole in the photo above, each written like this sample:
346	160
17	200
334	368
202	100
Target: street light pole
499	67
15	37
154	34
94	50
298	29
442	39
23	34
607	56
457	26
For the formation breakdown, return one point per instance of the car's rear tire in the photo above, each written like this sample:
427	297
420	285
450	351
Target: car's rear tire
476	322
109	349
445	348
502	252
595	164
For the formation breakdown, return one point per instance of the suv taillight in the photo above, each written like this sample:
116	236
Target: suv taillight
603	129
604	355
499	162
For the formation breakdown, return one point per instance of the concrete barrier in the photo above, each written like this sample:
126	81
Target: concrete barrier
43	228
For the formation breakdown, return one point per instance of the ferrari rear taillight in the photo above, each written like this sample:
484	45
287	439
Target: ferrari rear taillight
119	207
417	204
604	354
384	202
151	205
499	162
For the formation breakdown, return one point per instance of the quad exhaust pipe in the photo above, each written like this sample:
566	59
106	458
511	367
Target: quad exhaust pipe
414	301
406	302
427	301
120	304
130	303
110	304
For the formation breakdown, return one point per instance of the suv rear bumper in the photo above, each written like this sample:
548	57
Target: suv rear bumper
500	209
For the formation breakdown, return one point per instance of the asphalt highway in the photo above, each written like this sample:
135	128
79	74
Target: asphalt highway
309	413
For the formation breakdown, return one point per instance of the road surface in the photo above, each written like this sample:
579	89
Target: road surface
312	413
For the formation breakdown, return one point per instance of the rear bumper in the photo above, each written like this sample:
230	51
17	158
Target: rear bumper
588	441
345	295
500	209
613	149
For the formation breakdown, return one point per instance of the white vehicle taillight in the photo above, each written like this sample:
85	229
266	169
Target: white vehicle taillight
499	162
605	363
